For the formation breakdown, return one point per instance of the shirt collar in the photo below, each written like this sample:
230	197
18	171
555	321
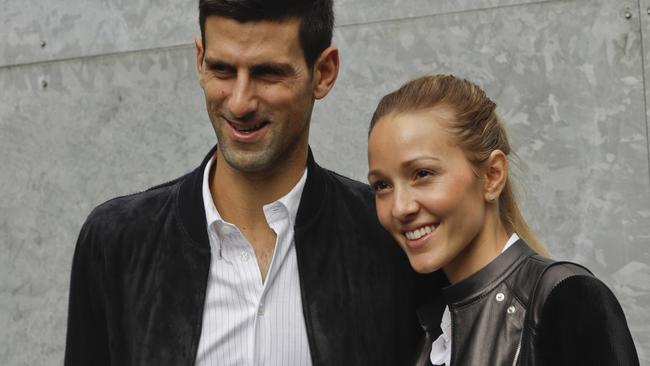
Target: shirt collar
211	213
289	202
513	239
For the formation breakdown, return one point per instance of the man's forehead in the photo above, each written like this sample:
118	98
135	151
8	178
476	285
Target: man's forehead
230	38
289	24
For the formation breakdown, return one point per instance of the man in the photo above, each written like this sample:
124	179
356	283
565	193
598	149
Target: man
259	256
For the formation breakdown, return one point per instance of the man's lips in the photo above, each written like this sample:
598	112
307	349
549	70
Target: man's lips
247	127
250	131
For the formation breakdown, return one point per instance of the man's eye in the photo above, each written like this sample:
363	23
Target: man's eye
268	72
220	69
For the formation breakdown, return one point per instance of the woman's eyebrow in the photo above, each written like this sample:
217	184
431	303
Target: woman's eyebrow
414	161
375	173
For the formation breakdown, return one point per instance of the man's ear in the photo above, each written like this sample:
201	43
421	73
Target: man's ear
495	172
199	56
326	70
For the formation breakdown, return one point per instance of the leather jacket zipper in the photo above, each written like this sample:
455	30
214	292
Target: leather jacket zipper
514	362
451	320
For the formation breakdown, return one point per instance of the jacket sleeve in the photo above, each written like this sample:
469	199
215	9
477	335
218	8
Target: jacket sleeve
87	338
582	323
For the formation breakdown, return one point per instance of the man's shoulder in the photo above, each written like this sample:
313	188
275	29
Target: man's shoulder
347	184
133	210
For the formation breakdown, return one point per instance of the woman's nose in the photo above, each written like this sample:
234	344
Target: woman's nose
404	205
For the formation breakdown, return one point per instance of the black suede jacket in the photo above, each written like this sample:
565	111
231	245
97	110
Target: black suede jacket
571	318
141	266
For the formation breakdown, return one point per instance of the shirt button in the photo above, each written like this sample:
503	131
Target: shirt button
260	310
500	297
511	310
244	256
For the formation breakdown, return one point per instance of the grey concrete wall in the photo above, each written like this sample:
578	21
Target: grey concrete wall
99	98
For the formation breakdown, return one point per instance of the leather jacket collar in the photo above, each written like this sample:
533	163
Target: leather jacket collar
487	277
473	286
190	201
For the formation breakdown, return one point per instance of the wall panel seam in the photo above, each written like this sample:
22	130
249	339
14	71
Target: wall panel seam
454	12
645	92
387	20
96	56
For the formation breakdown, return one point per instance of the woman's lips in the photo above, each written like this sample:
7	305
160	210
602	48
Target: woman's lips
416	238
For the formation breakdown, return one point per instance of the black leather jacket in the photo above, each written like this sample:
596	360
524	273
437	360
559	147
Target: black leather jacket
141	266
571	318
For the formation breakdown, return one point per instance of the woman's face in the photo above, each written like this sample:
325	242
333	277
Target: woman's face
427	195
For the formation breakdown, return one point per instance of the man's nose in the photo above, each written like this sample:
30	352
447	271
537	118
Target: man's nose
243	101
404	204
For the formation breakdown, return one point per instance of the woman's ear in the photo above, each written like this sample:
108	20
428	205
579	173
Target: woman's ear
326	70
495	170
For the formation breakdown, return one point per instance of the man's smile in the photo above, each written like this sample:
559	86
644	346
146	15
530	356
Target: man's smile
247	127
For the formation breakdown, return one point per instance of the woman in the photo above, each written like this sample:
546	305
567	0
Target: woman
438	159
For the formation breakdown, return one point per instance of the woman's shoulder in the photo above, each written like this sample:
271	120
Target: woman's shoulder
577	292
556	272
537	276
566	283
580	321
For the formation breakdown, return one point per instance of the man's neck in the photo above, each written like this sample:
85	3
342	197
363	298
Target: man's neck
239	197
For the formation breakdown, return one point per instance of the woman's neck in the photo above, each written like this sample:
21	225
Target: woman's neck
483	249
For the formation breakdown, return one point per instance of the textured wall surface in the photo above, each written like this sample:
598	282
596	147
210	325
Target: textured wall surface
110	105
77	28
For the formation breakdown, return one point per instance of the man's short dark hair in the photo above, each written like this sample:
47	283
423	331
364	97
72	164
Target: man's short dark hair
316	18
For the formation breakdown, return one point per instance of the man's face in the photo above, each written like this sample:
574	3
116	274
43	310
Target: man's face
258	89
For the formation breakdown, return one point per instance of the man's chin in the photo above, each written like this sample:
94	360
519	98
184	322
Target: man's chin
251	162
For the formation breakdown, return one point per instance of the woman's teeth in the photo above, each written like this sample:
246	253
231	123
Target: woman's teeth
417	234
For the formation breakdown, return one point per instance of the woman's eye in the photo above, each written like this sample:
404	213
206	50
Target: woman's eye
423	173
379	186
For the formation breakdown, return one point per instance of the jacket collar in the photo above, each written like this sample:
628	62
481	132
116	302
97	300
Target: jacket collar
190	204
316	188
190	199
489	276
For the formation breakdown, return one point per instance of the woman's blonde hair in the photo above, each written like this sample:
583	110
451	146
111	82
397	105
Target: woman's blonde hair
476	126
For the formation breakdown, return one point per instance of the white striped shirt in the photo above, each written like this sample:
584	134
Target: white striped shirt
245	321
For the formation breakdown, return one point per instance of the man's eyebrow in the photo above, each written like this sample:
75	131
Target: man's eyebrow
265	67
216	61
278	67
